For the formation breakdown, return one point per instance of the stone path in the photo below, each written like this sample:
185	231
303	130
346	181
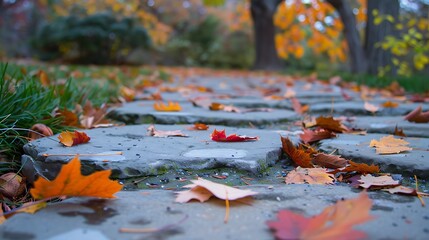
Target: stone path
144	156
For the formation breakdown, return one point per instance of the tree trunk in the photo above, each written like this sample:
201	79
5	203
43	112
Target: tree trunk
379	58
358	61
262	15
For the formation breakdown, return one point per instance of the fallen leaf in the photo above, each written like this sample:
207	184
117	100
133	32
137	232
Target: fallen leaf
220	136
389	145
369	181
127	93
310	136
214	106
335	222
297	107
44	79
309	175
289	93
2	217
329	161
70	182
11	185
39	130
202	190
69	118
329	123
298	156
418	116
199	126
170	107
370	107
361	168
69	139
401	190
399	132
390	104
92	117
159	133
231	108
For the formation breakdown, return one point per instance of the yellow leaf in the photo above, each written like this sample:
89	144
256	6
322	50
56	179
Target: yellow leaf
390	145
70	182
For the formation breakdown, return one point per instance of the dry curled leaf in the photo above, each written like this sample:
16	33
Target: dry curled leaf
329	123
169	107
335	222
361	168
309	175
401	190
11	185
329	161
298	156
220	136
390	145
298	107
159	133
418	116
369	181
93	117
69	118
70	182
310	136
69	139
399	132
40	128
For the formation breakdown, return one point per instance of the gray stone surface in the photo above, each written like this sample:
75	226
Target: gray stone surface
144	155
396	217
356	148
387	125
142	112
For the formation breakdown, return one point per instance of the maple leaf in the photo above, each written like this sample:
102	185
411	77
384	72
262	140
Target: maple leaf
220	136
361	168
199	126
389	145
418	116
309	175
369	181
390	104
170	107
329	123
335	222
159	133
298	156
329	161
70	182
297	107
370	107
310	136
69	139
202	189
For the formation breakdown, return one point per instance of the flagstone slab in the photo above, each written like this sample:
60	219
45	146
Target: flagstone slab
356	148
388	124
395	216
142	112
143	155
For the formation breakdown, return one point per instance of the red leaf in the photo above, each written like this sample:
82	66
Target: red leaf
310	136
220	136
69	139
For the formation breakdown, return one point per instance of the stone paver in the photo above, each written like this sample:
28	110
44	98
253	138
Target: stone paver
101	219
142	112
387	125
357	148
143	155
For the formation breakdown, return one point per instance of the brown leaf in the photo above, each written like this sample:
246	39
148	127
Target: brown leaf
70	182
40	128
215	106
69	139
390	145
329	161
69	118
127	93
309	175
369	181
335	222
399	132
390	104
92	117
159	133
329	123
297	107
202	190
310	136
11	185
299	156
401	190
44	79
361	168
418	116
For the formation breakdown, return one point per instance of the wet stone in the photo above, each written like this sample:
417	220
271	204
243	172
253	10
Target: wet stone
144	155
356	148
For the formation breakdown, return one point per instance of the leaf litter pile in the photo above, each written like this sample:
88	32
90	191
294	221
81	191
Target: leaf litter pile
311	166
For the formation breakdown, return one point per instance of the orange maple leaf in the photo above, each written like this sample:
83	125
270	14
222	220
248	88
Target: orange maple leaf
329	123
69	139
335	222
299	156
170	107
70	182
